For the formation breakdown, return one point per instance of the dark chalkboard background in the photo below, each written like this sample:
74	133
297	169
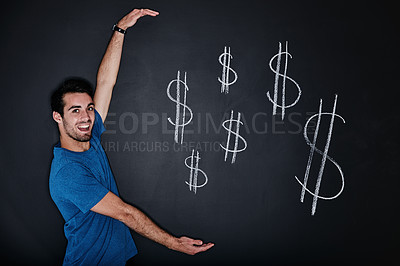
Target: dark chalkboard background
251	210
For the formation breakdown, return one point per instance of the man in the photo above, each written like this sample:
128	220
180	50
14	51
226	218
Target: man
81	183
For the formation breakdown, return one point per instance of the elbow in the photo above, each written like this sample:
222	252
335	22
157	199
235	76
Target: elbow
125	214
105	83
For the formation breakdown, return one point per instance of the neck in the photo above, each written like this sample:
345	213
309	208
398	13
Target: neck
74	145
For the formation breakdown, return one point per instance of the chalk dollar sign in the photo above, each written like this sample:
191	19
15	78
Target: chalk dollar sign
194	171
225	61
324	154
180	115
235	149
284	76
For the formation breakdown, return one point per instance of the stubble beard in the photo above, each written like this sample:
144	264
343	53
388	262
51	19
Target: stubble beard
71	132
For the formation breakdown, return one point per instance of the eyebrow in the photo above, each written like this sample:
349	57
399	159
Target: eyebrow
78	106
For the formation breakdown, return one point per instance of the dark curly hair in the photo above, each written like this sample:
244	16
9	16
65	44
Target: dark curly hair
69	85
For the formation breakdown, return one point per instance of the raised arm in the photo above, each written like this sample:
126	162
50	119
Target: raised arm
112	206
109	66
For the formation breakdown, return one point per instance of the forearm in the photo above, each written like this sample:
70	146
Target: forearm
107	73
140	223
109	66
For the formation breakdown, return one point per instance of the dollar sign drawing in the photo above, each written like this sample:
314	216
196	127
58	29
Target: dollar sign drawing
178	123
324	154
194	171
235	149
225	61
284	76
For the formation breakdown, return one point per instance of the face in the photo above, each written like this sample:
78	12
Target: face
78	117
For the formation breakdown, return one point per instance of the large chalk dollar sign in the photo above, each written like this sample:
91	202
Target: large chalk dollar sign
179	119
235	149
194	171
284	77
225	61
324	154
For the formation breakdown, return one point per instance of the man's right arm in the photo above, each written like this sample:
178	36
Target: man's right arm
111	205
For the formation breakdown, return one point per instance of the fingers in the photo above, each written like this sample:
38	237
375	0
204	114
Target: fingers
130	19
191	241
144	12
150	12
194	246
202	248
198	242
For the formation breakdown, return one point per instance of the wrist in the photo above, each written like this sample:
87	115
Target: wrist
119	29
121	25
172	243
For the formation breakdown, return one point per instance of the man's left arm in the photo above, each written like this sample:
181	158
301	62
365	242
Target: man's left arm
111	205
109	66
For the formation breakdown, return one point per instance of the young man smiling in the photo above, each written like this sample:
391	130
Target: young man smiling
81	183
76	122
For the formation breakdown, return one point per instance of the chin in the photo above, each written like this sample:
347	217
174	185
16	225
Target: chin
85	138
80	138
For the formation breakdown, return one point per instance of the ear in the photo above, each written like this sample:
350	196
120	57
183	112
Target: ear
57	117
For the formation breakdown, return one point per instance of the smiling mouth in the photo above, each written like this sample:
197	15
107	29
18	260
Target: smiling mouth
84	128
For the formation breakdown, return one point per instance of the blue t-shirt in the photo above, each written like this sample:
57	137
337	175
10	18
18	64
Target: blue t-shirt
78	181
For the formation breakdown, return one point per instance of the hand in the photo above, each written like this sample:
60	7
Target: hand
191	246
130	19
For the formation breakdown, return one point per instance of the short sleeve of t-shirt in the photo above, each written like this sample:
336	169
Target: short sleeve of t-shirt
80	187
98	126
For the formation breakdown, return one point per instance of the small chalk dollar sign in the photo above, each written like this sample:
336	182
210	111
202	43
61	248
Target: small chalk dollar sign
225	60
284	76
235	149
180	122
194	172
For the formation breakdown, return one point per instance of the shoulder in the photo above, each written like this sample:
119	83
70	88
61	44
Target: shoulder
65	159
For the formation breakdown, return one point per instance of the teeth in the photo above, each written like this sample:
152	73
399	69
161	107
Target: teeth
87	126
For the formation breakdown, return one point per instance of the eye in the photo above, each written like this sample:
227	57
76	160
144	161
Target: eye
75	110
91	108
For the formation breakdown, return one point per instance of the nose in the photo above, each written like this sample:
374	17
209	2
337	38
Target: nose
85	116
